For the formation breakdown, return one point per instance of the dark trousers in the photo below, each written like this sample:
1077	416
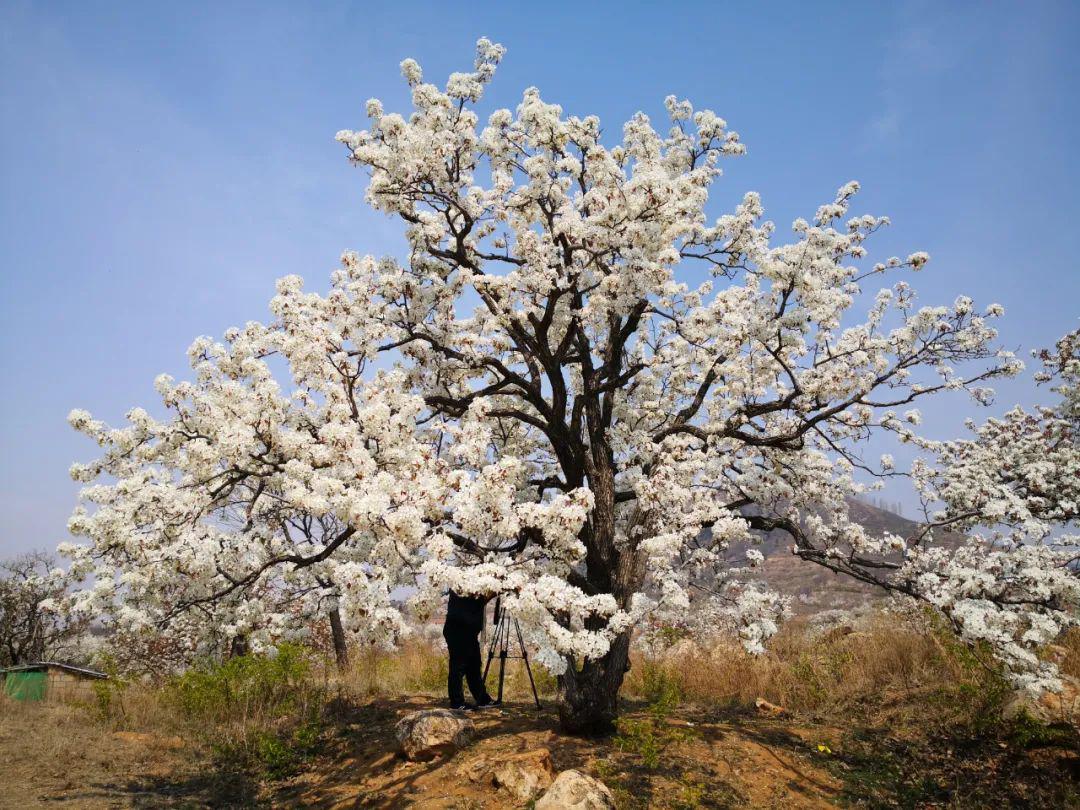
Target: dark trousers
463	642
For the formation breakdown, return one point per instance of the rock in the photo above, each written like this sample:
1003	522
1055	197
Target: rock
521	775
765	707
573	790
432	733
525	775
1048	707
1019	703
1063	706
1055	653
477	769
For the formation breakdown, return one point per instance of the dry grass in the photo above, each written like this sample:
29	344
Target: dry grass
1069	647
420	668
58	753
880	659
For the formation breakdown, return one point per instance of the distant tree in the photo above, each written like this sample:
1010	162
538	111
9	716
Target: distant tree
29	629
573	376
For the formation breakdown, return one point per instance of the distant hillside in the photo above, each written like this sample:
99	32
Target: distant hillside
816	589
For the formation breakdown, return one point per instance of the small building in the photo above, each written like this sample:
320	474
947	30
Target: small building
49	680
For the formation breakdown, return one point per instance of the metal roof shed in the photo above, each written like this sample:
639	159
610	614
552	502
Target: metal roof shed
50	680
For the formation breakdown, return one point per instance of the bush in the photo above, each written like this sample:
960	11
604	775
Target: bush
215	692
108	702
650	737
659	687
280	754
254	710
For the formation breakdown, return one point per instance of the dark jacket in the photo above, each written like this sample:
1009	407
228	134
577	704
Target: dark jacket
466	612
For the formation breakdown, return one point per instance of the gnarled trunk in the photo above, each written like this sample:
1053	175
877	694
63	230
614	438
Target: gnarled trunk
588	697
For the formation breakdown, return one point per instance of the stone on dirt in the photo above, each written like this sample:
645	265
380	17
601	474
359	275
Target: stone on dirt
573	790
772	709
432	733
1048	707
522	775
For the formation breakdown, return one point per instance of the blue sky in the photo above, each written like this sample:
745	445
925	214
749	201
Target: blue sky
161	164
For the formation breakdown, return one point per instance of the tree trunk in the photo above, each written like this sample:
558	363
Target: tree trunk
588	698
239	646
337	632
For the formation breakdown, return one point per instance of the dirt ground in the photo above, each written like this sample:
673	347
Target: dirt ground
61	756
724	763
55	756
58	756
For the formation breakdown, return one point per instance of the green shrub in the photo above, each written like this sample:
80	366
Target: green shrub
270	684
689	795
254	710
659	688
804	671
546	683
108	693
671	634
433	675
279	754
1029	732
650	737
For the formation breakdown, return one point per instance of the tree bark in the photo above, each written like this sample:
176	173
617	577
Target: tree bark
239	646
589	697
337	632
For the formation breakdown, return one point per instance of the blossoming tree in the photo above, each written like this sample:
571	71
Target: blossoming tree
28	631
1016	484
572	377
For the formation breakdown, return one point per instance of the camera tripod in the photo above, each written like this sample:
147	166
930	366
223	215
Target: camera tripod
500	641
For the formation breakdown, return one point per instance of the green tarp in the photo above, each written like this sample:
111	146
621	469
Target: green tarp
25	685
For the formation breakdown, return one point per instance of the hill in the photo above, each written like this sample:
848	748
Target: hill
816	589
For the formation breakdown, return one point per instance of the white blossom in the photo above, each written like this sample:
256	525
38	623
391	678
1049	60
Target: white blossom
578	392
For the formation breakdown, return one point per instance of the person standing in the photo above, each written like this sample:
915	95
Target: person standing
464	621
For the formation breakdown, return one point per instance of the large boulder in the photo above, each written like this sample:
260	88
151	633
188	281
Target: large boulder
1066	703
573	790
522	775
432	733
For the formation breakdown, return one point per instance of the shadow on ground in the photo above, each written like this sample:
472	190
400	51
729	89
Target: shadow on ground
714	760
360	767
